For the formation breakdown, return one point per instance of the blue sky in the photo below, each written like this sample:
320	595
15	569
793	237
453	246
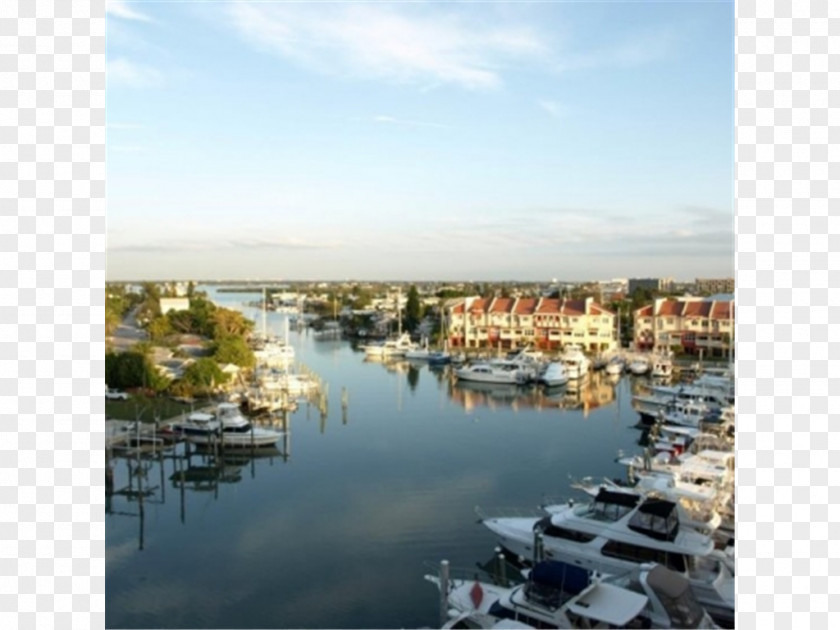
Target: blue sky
409	141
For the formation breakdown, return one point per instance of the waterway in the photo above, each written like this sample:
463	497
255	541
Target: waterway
336	528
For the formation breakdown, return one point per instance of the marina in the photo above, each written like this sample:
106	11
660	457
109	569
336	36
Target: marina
334	524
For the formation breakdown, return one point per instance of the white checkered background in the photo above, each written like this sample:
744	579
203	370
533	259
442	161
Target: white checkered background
52	213
787	132
52	79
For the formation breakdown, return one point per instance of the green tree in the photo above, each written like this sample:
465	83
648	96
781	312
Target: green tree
159	328
227	323
412	309
233	350
204	375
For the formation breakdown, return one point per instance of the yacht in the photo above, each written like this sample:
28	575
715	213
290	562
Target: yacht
489	373
661	367
556	595
391	347
275	353
575	362
554	375
614	366
228	427
617	532
638	366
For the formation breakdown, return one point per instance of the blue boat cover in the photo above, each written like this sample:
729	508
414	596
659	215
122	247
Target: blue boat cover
560	575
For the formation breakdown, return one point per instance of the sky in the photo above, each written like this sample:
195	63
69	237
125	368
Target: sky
480	141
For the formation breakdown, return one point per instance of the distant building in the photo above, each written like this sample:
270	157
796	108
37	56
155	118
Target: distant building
613	290
714	285
544	323
650	284
174	304
693	324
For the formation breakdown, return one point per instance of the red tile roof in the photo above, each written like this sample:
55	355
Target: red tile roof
670	308
721	310
645	311
502	305
525	306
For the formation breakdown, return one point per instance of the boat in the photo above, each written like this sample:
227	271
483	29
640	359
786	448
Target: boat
575	362
614	367
227	427
556	595
661	366
554	375
617	532
489	373
419	353
638	366
440	357
329	331
395	347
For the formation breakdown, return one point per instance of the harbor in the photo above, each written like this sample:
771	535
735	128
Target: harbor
371	482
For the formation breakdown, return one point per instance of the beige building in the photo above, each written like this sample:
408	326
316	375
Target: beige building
544	323
174	304
693	324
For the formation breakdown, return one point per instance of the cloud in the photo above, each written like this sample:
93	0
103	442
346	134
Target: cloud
119	8
644	48
552	107
124	72
210	243
390	120
408	46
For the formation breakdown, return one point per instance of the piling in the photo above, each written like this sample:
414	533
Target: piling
501	568
444	591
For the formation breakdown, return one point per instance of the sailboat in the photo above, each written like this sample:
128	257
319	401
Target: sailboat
330	329
271	351
394	347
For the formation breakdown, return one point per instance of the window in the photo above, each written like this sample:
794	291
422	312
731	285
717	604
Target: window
636	553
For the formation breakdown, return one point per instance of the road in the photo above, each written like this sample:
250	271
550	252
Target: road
128	332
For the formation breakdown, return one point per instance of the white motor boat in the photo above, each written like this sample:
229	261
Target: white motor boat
661	367
228	428
554	375
488	373
614	366
575	362
639	367
556	595
619	531
391	347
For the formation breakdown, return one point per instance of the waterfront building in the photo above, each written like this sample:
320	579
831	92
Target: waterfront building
544	323
691	323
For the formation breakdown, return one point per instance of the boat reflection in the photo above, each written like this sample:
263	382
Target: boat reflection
598	390
139	476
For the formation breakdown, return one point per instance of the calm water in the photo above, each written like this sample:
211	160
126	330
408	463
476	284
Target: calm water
337	533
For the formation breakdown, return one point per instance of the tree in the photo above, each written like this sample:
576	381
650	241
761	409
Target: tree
233	350
159	328
227	323
204	375
412	309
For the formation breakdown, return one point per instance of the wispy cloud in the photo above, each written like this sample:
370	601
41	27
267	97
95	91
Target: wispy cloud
552	107
120	9
219	244
124	72
390	120
406	45
641	49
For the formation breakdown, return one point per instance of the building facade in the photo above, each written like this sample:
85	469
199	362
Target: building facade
544	323
714	285
692	324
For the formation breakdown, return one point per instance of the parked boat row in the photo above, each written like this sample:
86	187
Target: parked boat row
656	551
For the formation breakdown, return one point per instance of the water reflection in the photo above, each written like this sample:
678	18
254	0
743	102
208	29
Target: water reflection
599	390
136	476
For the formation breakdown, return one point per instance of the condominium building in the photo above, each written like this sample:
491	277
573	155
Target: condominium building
714	285
692	324
544	323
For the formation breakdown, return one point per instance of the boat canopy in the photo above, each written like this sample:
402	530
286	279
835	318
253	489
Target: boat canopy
560	575
611	506
657	518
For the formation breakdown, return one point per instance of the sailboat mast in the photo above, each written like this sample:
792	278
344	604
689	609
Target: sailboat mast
265	331
399	312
